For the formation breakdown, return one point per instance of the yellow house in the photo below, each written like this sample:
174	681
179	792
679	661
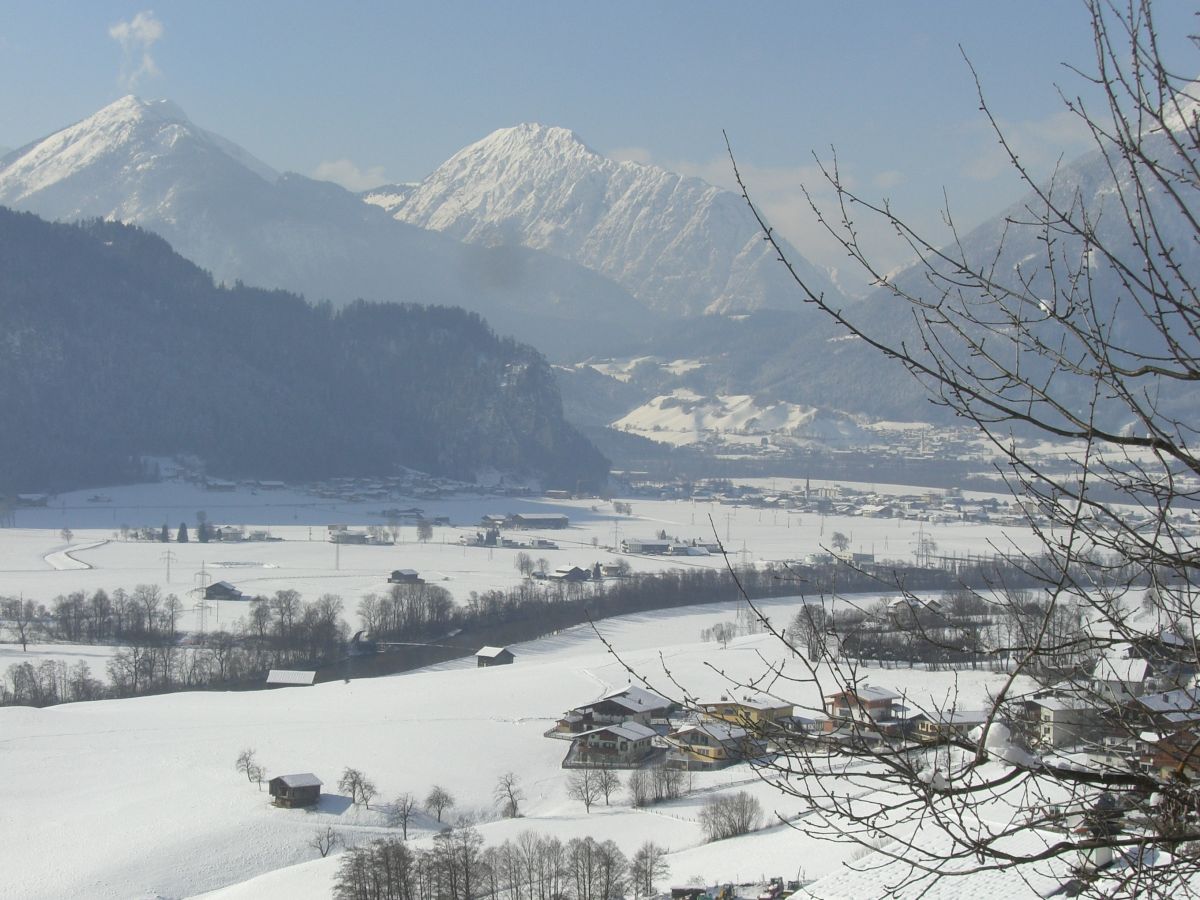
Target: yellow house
711	745
748	712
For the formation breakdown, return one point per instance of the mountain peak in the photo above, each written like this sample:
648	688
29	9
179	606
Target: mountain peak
531	138
129	136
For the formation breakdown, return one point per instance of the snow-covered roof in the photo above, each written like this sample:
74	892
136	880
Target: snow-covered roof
302	779
1127	671
1177	705
491	652
868	694
722	732
630	731
753	701
634	698
290	676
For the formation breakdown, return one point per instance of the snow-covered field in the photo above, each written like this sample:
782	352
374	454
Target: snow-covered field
36	561
148	803
146	799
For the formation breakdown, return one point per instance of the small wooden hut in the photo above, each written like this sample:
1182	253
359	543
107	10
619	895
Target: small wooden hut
303	789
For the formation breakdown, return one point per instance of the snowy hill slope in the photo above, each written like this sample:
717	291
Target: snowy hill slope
685	417
677	243
145	163
152	805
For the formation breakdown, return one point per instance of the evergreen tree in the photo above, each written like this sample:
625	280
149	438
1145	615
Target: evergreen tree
182	537
164	537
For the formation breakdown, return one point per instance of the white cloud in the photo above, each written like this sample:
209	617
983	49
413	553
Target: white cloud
1038	143
350	176
631	154
137	37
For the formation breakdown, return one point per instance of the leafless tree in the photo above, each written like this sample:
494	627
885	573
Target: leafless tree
609	784
508	795
584	785
648	866
359	788
22	619
1079	325
401	812
438	801
324	840
246	762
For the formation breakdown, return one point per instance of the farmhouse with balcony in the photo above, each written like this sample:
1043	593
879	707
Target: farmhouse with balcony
623	746
630	704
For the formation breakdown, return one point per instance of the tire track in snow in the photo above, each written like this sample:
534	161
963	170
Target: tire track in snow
62	560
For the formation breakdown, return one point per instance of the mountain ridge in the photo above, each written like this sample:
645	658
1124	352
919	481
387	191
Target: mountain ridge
679	244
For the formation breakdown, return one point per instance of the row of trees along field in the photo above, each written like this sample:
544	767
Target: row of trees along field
284	629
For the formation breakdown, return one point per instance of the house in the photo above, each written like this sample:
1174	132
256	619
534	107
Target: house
292	791
532	520
229	533
223	590
864	712
405	576
1061	720
711	745
946	724
628	704
493	656
290	677
749	712
625	745
1117	677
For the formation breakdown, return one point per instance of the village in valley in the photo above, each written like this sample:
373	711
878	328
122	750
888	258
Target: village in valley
693	717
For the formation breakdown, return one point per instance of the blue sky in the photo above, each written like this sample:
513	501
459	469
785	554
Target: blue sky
373	91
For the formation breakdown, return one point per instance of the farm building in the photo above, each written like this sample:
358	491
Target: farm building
405	576
531	520
493	656
222	590
303	789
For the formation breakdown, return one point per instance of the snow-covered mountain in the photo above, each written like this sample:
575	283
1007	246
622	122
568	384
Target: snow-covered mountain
145	163
680	245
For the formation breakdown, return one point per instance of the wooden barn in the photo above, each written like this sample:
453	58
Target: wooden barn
493	656
222	590
303	789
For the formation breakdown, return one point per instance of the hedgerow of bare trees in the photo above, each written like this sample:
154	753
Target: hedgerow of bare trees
1078	325
728	815
459	867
